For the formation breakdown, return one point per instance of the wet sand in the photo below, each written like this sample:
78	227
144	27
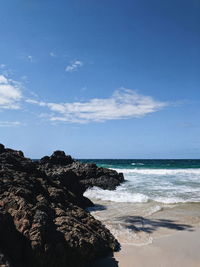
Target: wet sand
167	237
178	250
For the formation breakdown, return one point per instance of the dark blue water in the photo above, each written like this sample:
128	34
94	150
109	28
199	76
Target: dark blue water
145	163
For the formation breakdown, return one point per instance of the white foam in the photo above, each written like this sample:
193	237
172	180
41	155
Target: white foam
128	236
122	195
118	195
175	200
154	209
168	186
178	189
170	200
159	171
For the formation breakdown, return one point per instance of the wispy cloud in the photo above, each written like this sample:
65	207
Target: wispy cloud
10	93
24	78
52	54
10	123
74	65
123	104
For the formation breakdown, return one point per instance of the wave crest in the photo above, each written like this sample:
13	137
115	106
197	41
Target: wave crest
159	171
115	196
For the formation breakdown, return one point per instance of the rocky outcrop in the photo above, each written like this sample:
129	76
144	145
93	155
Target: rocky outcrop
42	220
57	158
90	175
87	175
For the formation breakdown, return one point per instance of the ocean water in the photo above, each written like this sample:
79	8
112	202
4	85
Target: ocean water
162	181
157	198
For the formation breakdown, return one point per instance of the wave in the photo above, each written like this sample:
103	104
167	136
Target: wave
120	195
159	171
115	196
154	209
180	189
164	186
130	237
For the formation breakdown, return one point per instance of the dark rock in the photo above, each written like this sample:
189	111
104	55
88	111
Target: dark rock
1	148
45	159
58	158
90	175
13	159
14	247
42	220
87	175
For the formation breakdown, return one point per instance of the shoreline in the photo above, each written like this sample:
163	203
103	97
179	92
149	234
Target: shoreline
139	223
174	250
168	237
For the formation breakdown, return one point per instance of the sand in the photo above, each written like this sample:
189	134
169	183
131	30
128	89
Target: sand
181	249
168	236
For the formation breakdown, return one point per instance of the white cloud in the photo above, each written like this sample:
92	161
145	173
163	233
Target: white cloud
39	103
52	54
74	66
10	93
9	123
123	104
3	79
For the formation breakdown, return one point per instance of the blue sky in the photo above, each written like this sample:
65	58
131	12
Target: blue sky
101	79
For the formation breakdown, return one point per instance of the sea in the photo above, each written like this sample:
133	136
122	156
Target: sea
157	197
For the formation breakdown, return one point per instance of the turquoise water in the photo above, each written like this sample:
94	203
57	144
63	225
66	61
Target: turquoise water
162	181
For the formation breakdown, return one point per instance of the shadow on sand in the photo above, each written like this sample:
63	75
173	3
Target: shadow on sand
141	224
96	207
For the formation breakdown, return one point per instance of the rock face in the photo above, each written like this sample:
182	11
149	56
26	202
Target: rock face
42	220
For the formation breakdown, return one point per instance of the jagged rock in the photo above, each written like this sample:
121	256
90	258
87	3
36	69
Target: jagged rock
87	175
58	157
15	249
15	160
90	175
42	222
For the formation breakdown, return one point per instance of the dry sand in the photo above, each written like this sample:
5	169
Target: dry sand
181	249
167	237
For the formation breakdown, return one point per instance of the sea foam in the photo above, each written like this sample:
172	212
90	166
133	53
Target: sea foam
123	196
166	186
115	196
159	171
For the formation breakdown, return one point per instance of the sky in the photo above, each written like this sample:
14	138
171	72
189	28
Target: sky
101	79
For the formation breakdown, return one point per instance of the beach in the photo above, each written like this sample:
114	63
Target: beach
100	133
168	238
179	249
155	214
